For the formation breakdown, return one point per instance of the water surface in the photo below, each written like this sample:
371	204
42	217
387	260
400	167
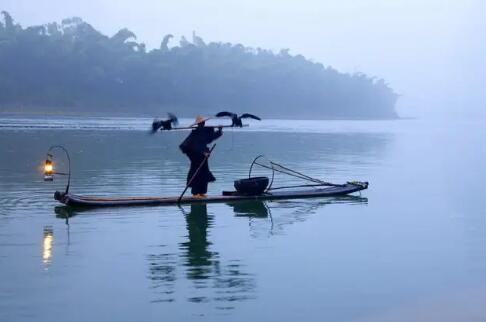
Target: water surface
411	247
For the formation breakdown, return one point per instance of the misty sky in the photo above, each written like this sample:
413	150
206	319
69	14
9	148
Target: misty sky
430	51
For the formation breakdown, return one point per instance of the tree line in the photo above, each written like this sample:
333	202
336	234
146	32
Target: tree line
72	67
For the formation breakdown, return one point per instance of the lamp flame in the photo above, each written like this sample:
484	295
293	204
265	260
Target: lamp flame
48	170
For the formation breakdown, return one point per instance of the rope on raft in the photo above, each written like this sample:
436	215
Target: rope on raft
275	167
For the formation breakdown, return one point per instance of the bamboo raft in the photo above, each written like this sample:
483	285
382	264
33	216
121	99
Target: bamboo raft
227	196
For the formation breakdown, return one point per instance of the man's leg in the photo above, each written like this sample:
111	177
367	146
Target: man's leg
204	188
197	188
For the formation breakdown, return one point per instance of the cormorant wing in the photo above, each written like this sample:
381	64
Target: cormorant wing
173	119
156	125
250	116
223	114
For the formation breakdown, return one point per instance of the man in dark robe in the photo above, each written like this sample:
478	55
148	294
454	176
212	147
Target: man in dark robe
196	149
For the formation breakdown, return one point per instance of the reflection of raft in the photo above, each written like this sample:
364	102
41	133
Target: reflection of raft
91	201
252	208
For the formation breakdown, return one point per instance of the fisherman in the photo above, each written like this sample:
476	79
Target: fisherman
196	149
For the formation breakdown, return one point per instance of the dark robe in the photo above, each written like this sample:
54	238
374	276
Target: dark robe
194	146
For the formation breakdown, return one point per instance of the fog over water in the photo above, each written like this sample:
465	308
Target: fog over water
408	248
429	51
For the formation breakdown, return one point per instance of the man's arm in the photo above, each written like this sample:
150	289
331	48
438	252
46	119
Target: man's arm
218	133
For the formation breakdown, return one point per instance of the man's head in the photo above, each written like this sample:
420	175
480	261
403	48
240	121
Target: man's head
200	121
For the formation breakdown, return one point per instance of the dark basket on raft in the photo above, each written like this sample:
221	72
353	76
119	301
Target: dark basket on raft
252	186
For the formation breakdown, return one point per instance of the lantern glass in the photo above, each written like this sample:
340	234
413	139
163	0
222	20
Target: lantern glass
48	167
48	170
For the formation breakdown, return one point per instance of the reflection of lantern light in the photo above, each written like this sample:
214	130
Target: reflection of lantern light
47	245
48	170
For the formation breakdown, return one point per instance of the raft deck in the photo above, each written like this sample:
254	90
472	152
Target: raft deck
92	201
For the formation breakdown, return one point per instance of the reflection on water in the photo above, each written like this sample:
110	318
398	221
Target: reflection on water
203	266
197	261
65	212
251	209
195	270
212	279
262	223
163	274
47	245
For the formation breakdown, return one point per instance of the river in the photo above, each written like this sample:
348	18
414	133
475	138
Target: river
410	248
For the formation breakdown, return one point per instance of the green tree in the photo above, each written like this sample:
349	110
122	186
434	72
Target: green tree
73	67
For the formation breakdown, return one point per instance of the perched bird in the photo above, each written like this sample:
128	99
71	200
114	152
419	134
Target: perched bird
165	124
236	120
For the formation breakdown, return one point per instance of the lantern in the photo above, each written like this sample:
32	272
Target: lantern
48	170
49	166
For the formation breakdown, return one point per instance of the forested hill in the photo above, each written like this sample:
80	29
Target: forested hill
73	68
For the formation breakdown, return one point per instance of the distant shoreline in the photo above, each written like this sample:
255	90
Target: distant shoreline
70	68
